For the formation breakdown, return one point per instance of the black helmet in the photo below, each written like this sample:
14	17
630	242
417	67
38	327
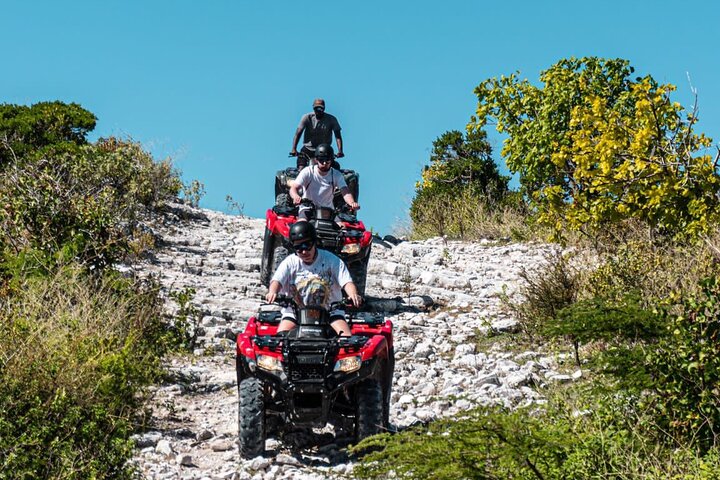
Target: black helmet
302	231
324	152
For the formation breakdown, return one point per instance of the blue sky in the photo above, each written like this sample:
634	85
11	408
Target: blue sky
220	85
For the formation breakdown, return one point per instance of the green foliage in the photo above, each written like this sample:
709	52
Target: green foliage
613	322
184	325
459	161
78	342
461	180
558	441
74	354
83	206
593	147
26	130
685	365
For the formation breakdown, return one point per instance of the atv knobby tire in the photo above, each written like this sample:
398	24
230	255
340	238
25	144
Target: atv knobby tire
369	410
279	255
266	270
387	387
251	418
283	200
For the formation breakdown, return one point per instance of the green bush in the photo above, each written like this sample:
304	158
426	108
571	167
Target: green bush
75	353
565	439
26	130
685	366
83	206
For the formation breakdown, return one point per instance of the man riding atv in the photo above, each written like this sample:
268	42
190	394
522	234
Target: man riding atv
312	277
319	183
318	128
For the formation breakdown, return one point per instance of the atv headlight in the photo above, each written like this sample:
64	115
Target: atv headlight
271	364
350	248
348	364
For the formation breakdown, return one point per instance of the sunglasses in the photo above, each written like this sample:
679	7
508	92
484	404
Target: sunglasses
304	246
319	109
324	160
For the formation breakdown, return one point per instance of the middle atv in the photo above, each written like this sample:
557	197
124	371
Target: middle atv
310	376
338	231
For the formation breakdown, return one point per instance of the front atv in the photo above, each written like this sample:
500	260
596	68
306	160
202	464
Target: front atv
309	376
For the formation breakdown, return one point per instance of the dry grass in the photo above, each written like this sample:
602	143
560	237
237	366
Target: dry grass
465	216
63	329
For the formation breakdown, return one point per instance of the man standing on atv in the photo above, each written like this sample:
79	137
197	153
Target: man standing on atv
318	127
319	182
312	277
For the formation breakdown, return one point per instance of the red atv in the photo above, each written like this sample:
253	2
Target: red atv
310	376
338	231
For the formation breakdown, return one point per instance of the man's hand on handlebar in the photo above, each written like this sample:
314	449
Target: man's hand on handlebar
296	199
339	155
293	153
356	299
354	206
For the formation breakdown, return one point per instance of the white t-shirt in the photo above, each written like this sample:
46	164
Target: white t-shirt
319	188
319	283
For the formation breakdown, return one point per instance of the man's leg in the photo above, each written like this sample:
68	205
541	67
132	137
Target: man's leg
286	325
341	327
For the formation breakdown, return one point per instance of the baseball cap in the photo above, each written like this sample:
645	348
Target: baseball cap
319	102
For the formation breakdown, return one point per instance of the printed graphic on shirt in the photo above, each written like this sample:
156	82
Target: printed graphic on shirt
312	289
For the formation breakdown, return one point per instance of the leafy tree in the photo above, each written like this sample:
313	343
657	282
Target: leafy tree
593	146
26	129
459	161
461	169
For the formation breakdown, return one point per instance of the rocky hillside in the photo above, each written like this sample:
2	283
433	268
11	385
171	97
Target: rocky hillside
441	297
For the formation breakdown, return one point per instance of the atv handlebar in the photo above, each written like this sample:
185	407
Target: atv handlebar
287	301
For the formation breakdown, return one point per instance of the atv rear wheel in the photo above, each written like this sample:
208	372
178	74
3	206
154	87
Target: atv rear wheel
279	255
267	258
369	410
251	418
387	387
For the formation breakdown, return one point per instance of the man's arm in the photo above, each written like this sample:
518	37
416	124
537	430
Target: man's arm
296	138
338	140
273	290
349	199
294	194
352	293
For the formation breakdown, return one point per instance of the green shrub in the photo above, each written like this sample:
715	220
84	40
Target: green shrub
589	438
616	323
75	353
685	365
25	130
83	206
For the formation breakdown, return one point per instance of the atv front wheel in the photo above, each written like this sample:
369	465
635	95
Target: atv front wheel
369	410
251	418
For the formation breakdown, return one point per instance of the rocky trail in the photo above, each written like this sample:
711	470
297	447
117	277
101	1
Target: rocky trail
441	297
